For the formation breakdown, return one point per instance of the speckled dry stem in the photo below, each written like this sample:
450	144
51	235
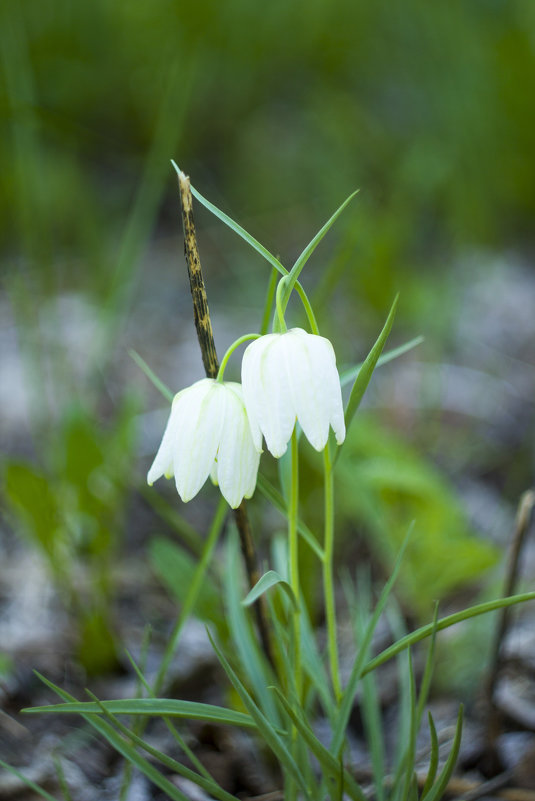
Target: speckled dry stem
201	313
205	335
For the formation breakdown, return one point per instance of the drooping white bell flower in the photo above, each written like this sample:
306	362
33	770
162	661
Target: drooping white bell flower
291	376
208	434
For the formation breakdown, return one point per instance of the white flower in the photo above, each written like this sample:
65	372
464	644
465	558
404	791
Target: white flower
208	434
292	376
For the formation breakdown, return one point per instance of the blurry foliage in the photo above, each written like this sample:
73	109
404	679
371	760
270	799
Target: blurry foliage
422	106
72	510
383	486
175	569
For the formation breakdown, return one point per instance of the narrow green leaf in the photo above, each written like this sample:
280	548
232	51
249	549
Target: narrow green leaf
413	789
266	730
407	762
365	373
437	790
313	665
349	375
370	703
428	670
151	375
329	764
310	248
274	497
182	744
433	757
253	665
61	779
154	707
124	748
445	623
269	579
207	783
28	782
234	226
254	243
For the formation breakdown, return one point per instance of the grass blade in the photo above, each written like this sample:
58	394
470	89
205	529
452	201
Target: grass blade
433	758
124	748
254	668
151	375
347	376
206	783
406	764
370	704
339	779
265	728
268	580
154	707
441	783
365	373
310	248
313	665
445	623
172	729
428	670
234	226
28	782
61	779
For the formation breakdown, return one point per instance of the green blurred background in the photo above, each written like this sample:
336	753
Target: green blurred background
277	112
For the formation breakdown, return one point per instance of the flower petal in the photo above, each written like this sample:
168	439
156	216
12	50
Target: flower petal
250	373
292	376
237	458
309	384
163	461
266	393
201	413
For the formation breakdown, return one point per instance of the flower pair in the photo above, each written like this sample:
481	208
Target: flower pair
215	428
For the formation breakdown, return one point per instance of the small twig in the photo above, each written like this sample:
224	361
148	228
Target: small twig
522	522
205	335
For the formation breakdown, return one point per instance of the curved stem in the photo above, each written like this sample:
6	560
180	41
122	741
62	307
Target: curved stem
328	587
308	309
230	351
279	320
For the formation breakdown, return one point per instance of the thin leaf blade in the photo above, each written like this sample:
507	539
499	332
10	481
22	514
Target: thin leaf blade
268	580
366	371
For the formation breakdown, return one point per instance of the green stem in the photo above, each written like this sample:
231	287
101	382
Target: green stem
279	322
193	593
270	295
308	309
291	791
293	545
328	586
230	351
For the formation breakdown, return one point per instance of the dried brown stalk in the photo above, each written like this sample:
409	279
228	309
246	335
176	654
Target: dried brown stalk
205	336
